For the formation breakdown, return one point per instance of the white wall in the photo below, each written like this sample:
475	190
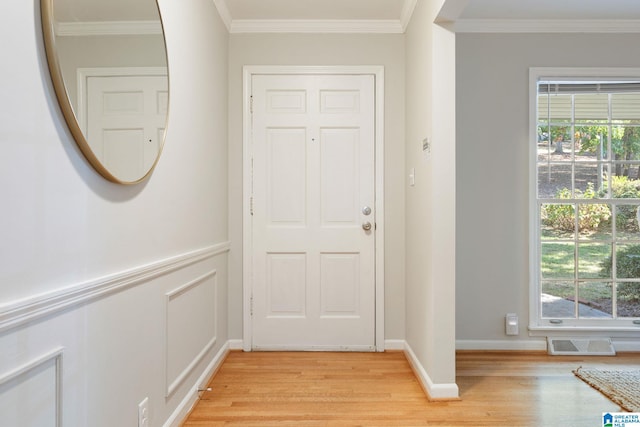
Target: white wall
492	170
430	207
315	49
91	272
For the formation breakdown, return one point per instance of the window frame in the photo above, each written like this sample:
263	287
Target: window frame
539	326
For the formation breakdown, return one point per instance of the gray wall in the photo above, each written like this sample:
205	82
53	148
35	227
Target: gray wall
492	98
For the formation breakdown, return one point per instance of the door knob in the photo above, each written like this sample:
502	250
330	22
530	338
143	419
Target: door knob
366	226
366	210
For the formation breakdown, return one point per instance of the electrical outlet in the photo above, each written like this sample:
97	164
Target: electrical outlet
143	413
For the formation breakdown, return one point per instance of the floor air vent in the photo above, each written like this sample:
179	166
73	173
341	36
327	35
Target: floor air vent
580	346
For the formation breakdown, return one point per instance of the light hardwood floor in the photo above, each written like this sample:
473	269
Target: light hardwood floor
379	389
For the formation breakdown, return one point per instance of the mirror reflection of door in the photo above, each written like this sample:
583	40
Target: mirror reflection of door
110	35
124	117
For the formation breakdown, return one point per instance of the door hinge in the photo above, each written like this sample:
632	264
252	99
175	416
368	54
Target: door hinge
251	305
251	104
251	205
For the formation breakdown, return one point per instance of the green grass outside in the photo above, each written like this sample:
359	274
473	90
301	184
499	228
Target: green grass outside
558	262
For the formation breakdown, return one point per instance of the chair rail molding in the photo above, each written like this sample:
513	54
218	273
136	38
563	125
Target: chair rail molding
19	312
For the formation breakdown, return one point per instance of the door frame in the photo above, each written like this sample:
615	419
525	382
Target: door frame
377	71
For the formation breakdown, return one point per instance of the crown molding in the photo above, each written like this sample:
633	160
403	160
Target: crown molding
223	11
340	26
613	26
108	28
407	12
337	26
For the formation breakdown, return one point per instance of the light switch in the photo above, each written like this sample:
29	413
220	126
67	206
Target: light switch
412	177
511	324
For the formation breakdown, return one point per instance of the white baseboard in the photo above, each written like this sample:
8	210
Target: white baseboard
434	391
622	345
235	344
394	345
191	398
502	345
238	344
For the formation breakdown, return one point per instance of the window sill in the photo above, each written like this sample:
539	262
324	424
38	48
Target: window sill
577	331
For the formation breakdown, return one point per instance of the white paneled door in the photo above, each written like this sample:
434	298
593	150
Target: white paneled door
126	118
313	222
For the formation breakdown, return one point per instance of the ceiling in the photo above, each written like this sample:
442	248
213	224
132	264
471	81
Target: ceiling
461	15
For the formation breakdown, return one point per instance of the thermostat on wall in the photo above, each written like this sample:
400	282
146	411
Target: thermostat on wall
426	145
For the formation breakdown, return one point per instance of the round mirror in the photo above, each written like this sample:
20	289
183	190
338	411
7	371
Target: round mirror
108	64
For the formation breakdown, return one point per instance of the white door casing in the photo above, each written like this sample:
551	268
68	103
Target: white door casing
313	277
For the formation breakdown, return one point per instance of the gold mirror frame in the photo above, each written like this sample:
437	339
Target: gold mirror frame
64	100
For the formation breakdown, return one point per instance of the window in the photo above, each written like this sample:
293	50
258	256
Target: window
585	170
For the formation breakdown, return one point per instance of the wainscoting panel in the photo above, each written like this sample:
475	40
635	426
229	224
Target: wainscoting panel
31	395
190	327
